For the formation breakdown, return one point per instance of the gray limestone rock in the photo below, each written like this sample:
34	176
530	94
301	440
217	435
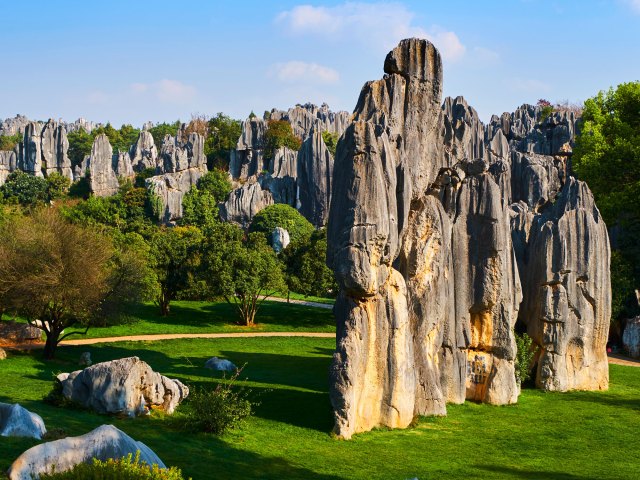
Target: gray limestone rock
631	337
315	173
3	354
103	180
125	386
244	202
30	160
220	364
8	163
103	443
55	146
248	159
170	189
280	239
567	292
144	153
16	421
281	177
442	233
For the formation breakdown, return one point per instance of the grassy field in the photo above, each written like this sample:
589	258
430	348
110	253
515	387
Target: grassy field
219	317
579	435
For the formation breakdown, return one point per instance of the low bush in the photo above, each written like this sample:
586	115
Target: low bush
127	468
218	410
524	356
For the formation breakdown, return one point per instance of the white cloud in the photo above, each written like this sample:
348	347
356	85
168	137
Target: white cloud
528	85
379	25
165	90
296	71
634	5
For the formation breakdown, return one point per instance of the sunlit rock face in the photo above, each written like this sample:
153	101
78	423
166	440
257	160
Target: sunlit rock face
434	220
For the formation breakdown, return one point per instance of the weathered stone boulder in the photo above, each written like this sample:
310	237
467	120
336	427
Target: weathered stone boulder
244	202
126	386
3	354
567	300
16	421
220	364
280	179
280	239
248	158
631	337
169	189
8	163
30	160
103	443
54	148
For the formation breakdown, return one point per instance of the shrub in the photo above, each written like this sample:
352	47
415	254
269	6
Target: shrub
127	468
524	356
279	134
284	216
218	410
24	189
331	141
8	142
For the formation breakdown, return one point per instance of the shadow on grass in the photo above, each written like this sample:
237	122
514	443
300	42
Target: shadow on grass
532	474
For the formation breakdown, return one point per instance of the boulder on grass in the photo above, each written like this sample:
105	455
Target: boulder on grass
220	364
125	386
631	337
102	443
3	354
16	421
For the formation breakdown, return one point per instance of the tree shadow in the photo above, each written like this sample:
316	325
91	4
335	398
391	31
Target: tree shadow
532	474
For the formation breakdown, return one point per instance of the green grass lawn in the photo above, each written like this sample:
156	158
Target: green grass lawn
310	298
578	435
217	317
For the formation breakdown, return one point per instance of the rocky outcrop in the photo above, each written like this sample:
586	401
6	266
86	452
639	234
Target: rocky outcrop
103	443
567	305
8	163
631	337
301	179
181	165
144	153
244	202
30	160
126	386
54	150
103	180
13	126
280	239
442	234
16	421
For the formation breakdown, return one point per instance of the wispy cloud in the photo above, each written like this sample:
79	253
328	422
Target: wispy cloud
296	71
165	90
380	25
528	85
634	5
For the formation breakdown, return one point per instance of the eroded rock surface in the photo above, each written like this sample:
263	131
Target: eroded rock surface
126	386
16	421
442	233
103	443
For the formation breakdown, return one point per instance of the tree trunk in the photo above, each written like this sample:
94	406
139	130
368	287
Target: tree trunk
165	304
51	344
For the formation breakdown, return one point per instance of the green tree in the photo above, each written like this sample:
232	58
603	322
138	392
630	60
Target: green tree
224	132
200	204
607	157
24	189
245	273
331	141
284	216
80	143
175	254
9	142
58	273
306	268
57	186
279	134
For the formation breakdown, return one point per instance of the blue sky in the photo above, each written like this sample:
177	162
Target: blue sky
132	61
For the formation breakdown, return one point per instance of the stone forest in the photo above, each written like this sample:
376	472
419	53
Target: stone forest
375	294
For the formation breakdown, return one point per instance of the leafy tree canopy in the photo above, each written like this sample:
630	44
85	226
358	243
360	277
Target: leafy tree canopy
159	131
331	141
224	132
285	216
279	134
8	142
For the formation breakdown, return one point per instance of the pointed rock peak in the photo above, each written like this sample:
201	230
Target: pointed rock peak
415	58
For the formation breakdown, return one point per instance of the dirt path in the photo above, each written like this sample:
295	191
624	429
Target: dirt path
173	336
616	359
301	302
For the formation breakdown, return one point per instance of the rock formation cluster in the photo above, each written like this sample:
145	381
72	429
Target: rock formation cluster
447	235
300	178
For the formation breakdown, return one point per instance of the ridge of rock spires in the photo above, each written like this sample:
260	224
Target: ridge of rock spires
301	179
436	223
